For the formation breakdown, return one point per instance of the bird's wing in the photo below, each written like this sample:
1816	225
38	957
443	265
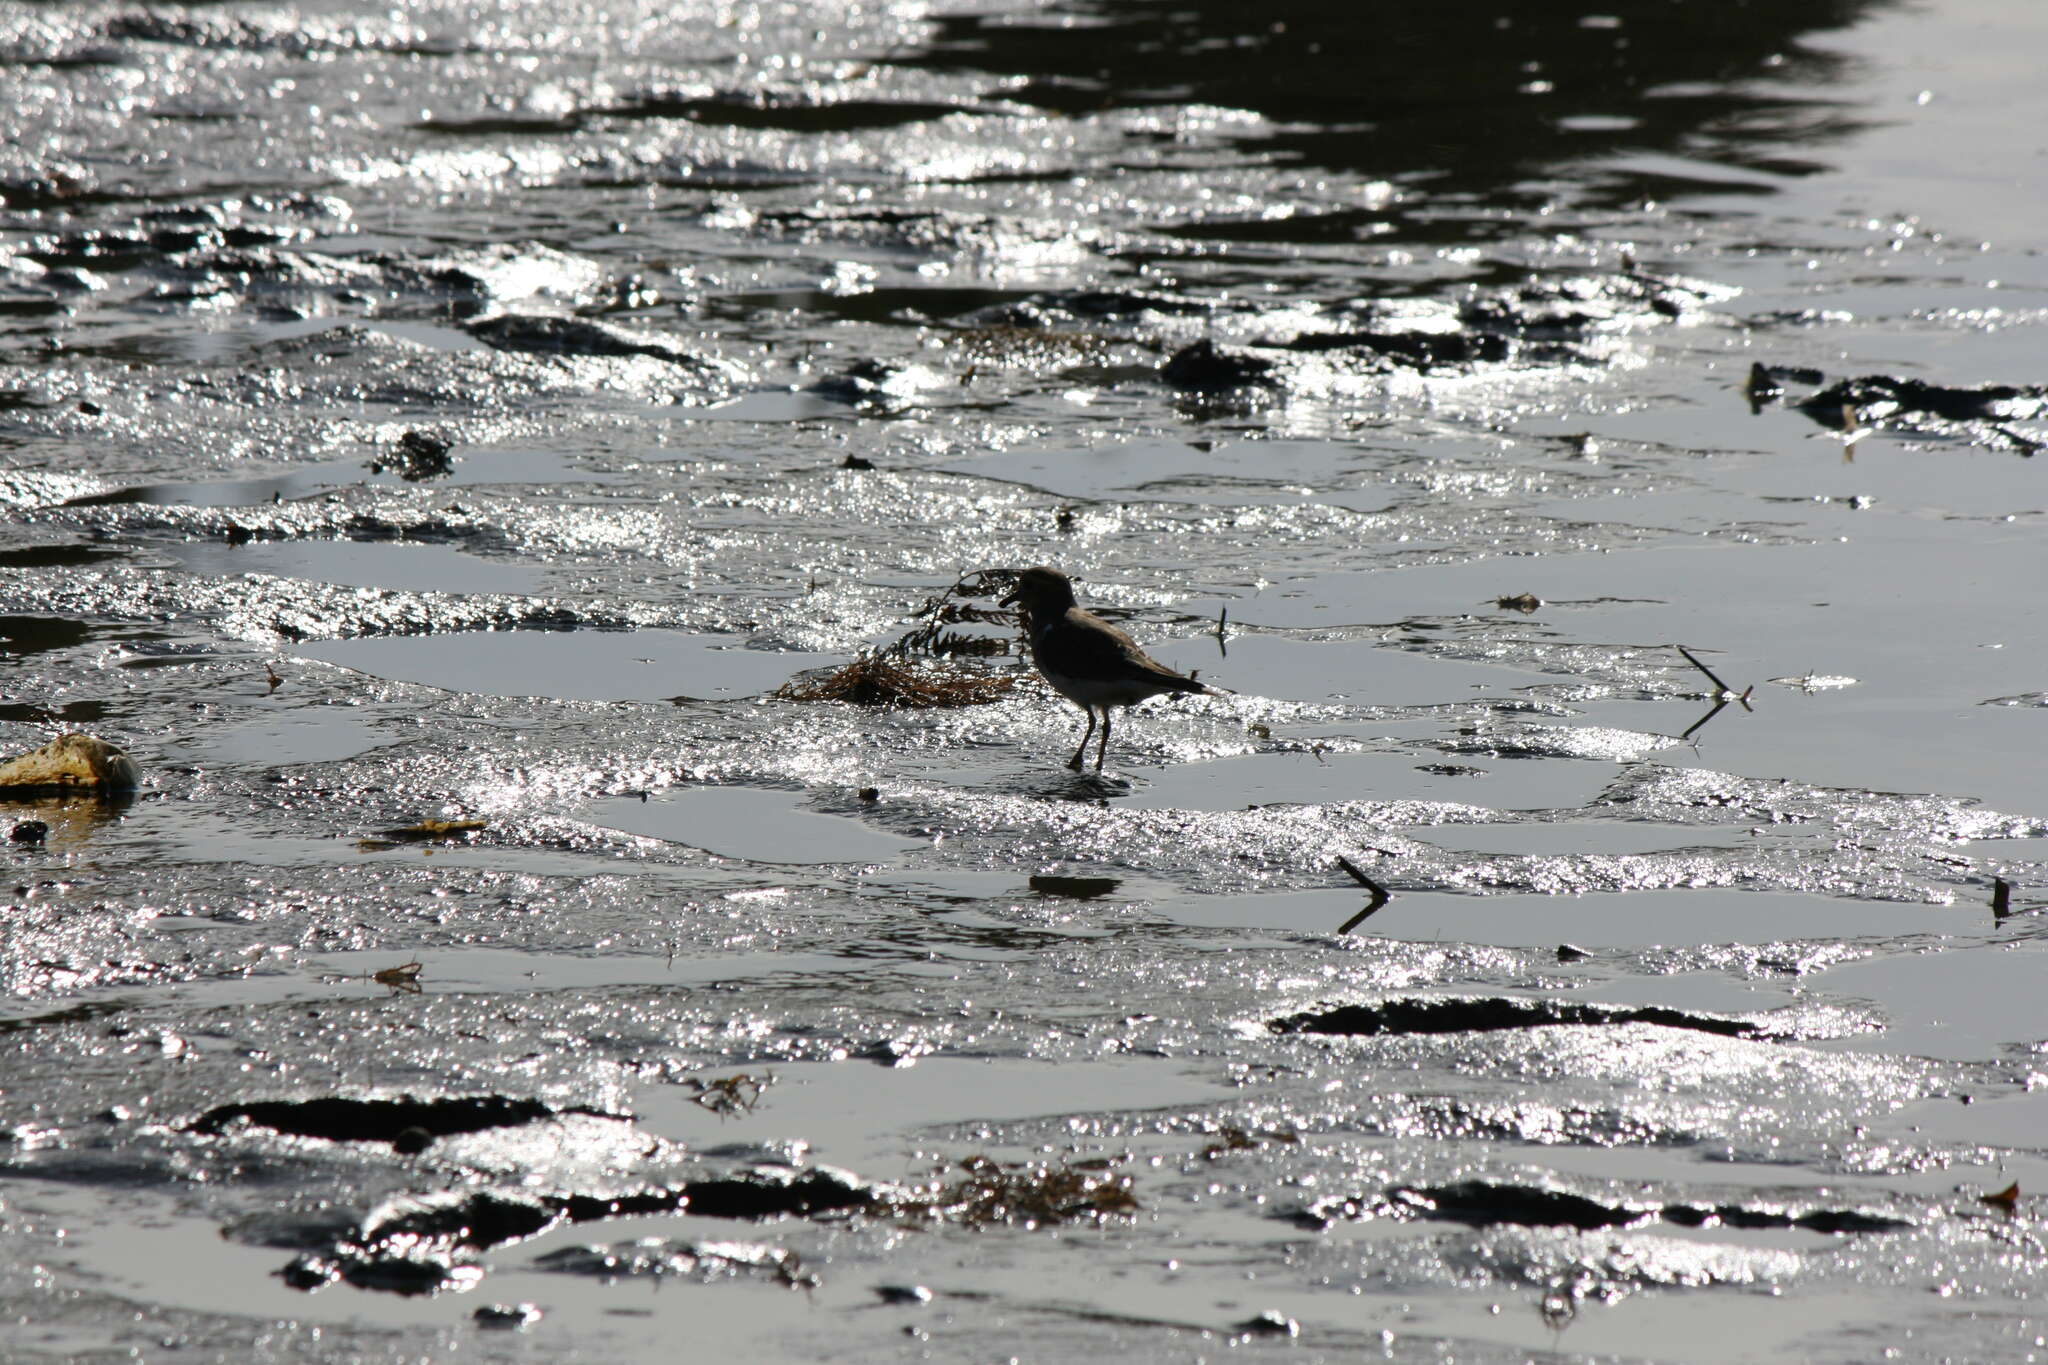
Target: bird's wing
1092	645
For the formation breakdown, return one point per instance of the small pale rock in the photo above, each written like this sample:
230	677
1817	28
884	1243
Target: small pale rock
69	765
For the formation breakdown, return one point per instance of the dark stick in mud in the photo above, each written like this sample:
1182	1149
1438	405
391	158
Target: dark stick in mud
1380	895
1712	676
1726	692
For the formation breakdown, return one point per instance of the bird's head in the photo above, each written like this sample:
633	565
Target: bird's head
1041	589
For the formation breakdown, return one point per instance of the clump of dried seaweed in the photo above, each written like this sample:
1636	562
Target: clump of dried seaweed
934	633
1028	1194
894	677
879	680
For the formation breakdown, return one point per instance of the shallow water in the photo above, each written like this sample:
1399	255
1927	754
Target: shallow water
437	414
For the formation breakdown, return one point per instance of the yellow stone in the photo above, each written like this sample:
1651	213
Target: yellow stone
70	764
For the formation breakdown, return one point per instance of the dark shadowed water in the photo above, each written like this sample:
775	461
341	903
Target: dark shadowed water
478	414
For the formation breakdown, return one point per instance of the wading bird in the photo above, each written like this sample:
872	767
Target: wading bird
1086	659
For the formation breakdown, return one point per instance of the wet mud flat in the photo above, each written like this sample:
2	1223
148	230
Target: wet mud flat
531	494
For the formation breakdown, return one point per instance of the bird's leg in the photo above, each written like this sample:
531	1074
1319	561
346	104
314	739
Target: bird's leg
1075	761
1104	745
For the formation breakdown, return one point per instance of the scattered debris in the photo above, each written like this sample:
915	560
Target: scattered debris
880	680
430	831
2005	1200
731	1095
2001	897
856	462
1026	1193
1233	1139
1524	602
72	764
420	455
29	833
404	977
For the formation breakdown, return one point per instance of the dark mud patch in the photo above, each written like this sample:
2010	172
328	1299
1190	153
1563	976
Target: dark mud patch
418	1244
541	335
1489	1014
1206	368
1485	1203
791	111
84	1012
40	634
1981	416
66	556
1074	888
395	1120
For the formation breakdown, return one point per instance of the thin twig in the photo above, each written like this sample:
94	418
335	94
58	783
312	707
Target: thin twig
1712	676
1380	895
